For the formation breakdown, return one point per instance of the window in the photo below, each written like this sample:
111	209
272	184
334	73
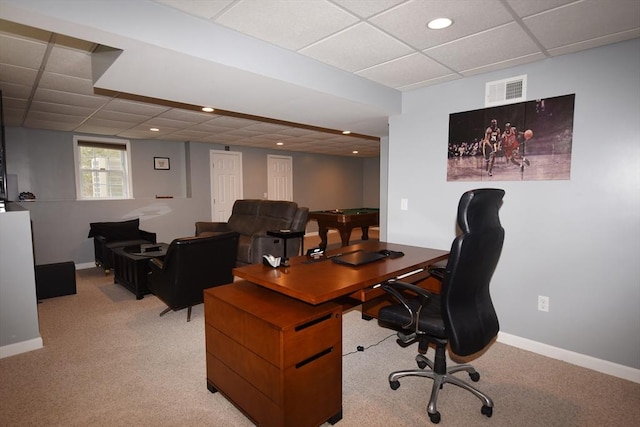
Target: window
102	168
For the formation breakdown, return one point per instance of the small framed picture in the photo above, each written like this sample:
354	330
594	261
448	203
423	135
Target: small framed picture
161	163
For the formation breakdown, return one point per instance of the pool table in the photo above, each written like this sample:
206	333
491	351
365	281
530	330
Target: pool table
345	220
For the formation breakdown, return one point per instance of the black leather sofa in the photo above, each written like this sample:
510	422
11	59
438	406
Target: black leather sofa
110	235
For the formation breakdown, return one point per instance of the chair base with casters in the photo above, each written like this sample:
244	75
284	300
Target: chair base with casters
440	375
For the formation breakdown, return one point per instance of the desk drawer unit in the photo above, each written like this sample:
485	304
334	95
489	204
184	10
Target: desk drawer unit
277	359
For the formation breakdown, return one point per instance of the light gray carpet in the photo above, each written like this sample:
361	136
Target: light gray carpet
111	360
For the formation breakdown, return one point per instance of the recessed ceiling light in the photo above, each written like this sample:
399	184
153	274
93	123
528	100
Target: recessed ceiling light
154	129
346	132
439	23
207	109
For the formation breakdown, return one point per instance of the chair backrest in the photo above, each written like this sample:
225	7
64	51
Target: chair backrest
196	263
470	318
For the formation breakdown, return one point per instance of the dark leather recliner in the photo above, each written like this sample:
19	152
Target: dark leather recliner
462	316
116	234
252	218
191	265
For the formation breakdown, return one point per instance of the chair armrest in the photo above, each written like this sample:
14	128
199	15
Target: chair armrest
438	269
395	289
262	244
216	227
147	235
156	264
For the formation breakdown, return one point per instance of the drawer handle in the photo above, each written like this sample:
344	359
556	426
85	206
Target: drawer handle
313	322
314	357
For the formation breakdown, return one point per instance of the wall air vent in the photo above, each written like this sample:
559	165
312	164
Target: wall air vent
506	91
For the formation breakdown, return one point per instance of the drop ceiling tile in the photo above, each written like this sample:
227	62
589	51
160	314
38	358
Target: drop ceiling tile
503	64
185	115
507	42
24	53
600	41
408	21
404	71
13	116
190	134
49	125
111	127
15	90
71	62
430	82
71	110
18	75
296	132
167	123
566	25
290	24
266	127
74	99
132	107
15	103
207	9
54	117
356	48
527	7
118	116
66	83
231	122
367	8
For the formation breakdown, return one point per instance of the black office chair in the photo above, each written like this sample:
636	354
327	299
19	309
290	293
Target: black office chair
462	316
191	265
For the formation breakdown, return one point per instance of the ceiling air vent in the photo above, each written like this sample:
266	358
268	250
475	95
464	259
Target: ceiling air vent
506	91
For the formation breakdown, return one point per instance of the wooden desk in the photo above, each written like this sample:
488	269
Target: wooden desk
274	340
319	282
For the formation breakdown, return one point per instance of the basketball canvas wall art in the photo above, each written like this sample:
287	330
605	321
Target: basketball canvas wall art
526	141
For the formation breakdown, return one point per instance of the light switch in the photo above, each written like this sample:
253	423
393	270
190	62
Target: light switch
404	204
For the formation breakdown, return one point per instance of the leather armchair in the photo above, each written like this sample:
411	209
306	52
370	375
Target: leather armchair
191	265
462	317
118	234
252	219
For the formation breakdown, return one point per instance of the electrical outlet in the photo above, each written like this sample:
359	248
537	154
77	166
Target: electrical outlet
543	303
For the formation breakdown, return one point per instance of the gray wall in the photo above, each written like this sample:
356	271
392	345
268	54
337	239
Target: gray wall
575	241
43	163
19	329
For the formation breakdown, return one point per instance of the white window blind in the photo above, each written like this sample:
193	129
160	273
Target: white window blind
102	169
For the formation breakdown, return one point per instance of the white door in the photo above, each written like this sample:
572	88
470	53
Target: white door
280	177
226	183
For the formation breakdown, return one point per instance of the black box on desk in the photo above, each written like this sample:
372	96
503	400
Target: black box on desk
55	280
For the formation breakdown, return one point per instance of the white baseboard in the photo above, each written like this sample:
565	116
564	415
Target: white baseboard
599	365
20	347
85	265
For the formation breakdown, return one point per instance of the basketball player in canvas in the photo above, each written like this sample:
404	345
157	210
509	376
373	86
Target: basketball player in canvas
511	146
491	145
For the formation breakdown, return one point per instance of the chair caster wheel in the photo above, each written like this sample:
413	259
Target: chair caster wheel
422	364
475	377
435	418
487	410
394	385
